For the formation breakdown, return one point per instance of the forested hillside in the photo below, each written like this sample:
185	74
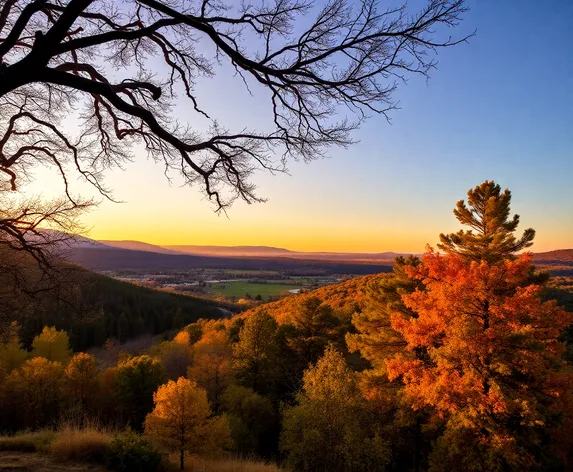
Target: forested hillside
93	308
558	262
345	296
456	360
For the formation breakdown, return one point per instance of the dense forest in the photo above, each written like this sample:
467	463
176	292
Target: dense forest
458	360
93	308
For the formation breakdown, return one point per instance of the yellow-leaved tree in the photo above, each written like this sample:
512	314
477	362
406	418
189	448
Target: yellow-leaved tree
52	344
332	428
12	355
82	380
211	367
36	392
181	421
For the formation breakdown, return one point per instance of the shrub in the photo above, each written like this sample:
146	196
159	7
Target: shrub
130	451
86	444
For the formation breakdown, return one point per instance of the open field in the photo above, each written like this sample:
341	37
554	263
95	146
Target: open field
250	273
239	289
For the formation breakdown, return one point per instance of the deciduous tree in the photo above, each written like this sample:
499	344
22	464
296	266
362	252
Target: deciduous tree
331	428
36	389
316	325
136	380
252	420
494	364
255	356
12	355
82	380
52	344
211	369
181	420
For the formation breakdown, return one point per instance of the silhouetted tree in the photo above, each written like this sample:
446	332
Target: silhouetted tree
60	56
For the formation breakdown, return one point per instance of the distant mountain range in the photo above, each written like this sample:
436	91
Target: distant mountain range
138	246
109	255
118	255
248	251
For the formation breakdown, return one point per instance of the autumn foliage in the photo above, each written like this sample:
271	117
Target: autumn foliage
491	362
181	420
455	361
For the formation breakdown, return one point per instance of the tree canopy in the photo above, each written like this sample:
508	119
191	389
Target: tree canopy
181	420
491	237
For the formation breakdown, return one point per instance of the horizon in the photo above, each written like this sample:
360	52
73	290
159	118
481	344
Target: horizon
169	246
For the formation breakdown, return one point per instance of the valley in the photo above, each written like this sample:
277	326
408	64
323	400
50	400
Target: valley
229	284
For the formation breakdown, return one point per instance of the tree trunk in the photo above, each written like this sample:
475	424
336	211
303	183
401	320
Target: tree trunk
418	444
182	459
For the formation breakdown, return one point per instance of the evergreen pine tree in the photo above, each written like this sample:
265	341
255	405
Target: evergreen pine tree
491	237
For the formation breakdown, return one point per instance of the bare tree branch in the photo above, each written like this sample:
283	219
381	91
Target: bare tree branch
324	79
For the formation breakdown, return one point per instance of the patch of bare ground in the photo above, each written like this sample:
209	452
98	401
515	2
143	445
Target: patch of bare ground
38	462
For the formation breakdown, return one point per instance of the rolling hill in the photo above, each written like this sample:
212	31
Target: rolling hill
347	296
561	256
93	307
559	262
137	255
232	251
269	251
138	246
114	259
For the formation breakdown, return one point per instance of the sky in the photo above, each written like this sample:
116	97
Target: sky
499	107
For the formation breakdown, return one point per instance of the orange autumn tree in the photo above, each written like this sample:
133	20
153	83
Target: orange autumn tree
377	340
495	372
492	367
465	338
211	367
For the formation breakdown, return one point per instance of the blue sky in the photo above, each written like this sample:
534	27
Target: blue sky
499	107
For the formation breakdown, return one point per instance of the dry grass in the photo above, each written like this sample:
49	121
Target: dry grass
198	464
90	443
27	442
87	444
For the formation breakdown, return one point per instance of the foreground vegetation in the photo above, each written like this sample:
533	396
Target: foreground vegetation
95	445
455	361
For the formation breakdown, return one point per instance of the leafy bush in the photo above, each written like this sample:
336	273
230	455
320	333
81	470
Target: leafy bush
130	451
